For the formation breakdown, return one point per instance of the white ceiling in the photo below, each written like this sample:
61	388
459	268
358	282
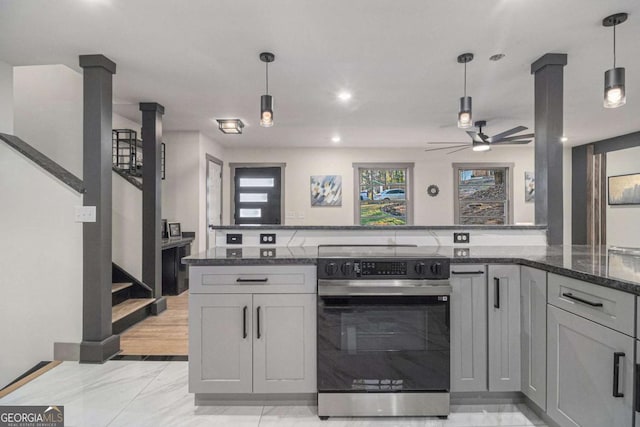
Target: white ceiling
199	58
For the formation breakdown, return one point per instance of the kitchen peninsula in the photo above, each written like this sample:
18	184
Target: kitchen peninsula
520	315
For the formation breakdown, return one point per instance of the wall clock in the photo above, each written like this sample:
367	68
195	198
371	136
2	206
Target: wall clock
433	190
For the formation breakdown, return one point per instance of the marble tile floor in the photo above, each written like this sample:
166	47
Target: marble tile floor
147	393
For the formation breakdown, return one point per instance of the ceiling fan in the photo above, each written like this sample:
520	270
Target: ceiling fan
482	142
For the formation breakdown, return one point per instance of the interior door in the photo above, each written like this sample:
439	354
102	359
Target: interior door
258	195
214	198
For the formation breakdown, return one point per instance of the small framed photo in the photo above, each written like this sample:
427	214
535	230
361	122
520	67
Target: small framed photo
174	229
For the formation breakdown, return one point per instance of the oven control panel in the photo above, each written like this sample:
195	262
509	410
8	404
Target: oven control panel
377	268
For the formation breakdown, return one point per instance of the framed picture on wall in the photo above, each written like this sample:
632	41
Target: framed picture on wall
326	190
174	229
624	189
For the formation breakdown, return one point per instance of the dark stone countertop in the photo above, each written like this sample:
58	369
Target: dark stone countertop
175	242
601	265
379	227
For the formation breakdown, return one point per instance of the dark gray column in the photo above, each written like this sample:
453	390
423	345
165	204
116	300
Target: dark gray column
98	342
579	195
151	202
548	71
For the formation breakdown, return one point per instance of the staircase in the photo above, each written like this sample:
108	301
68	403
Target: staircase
127	154
130	300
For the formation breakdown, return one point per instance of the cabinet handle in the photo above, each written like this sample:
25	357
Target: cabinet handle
258	317
244	322
241	280
584	301
467	272
637	403
616	373
496	284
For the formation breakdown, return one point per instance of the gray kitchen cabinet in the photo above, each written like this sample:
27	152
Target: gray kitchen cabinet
584	386
533	294
636	375
468	328
284	343
220	343
503	298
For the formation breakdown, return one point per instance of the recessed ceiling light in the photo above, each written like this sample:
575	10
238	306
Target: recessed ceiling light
335	139
564	139
496	57
344	96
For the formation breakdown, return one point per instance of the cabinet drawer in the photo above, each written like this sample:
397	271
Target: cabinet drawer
609	307
252	279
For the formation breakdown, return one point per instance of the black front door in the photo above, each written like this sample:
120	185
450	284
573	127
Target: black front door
257	195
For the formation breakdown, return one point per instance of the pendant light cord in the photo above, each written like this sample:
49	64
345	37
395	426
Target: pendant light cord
465	79
614	46
267	77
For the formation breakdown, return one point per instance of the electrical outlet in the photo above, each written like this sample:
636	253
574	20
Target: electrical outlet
268	253
267	239
85	214
291	215
461	253
461	238
301	215
234	239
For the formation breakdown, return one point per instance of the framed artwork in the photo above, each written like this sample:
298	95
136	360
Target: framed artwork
326	190
624	189
174	229
529	187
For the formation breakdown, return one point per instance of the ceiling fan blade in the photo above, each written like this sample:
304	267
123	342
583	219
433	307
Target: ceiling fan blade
516	129
474	135
447	148
511	142
484	137
458	142
459	149
512	138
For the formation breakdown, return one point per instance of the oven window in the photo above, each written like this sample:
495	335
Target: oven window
383	344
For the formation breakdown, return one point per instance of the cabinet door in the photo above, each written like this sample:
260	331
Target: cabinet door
503	299
284	343
220	343
581	375
468	328
533	294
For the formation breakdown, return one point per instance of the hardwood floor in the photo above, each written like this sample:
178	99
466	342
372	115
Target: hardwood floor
164	335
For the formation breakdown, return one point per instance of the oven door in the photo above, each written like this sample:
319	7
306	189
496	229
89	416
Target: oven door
376	343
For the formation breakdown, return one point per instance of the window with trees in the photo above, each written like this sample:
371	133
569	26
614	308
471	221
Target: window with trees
384	191
483	194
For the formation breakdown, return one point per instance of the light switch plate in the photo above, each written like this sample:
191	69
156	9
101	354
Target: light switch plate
85	214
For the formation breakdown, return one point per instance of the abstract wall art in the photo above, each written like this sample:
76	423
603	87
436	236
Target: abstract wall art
529	187
624	189
326	190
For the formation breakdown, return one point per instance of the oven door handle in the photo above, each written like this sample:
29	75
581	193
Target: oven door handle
425	290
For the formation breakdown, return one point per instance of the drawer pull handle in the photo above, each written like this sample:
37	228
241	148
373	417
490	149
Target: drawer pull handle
258	317
616	373
244	322
584	301
496	284
241	280
467	272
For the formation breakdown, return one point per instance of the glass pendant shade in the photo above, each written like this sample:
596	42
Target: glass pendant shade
266	111
465	119
481	146
614	90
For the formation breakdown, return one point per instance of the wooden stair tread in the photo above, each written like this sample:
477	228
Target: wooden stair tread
127	307
115	287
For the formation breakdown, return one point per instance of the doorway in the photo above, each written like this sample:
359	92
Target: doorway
214	197
257	194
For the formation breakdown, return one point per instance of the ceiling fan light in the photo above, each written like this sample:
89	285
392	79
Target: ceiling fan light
465	119
266	111
614	89
481	146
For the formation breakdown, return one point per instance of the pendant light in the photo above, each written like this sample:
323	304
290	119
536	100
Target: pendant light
614	90
266	100
465	119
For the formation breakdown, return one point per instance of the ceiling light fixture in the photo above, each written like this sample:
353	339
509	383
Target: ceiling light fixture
481	146
465	119
564	139
230	126
266	100
614	90
344	96
496	57
335	139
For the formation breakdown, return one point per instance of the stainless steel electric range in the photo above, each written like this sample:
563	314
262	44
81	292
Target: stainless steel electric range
383	332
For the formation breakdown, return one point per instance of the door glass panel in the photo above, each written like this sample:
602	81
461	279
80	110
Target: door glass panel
257	182
250	213
254	197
